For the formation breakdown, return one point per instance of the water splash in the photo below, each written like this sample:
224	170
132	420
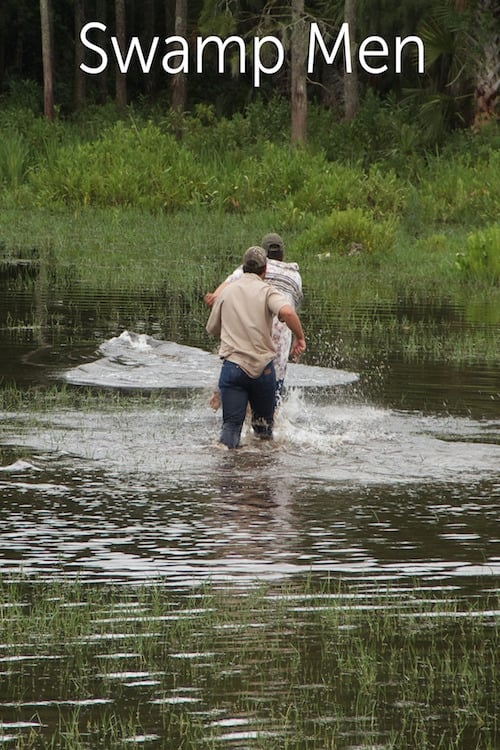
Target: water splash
138	361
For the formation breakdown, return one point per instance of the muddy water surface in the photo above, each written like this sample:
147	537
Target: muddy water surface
382	473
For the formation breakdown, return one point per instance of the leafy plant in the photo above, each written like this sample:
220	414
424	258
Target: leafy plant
348	232
482	254
126	166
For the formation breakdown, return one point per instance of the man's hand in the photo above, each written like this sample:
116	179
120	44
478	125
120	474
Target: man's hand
210	297
288	315
298	347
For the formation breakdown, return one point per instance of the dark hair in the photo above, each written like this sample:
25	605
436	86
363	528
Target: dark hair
274	246
252	268
275	252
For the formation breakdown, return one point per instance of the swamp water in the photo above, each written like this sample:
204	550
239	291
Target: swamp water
337	588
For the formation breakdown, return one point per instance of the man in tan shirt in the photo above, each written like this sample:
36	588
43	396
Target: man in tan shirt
242	317
285	276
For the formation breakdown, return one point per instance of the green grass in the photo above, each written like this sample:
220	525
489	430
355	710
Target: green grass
300	666
166	263
190	251
107	204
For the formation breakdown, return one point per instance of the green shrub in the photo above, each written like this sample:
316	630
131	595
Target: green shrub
384	132
481	259
327	187
269	120
305	182
126	166
265	179
385	193
22	94
352	231
461	191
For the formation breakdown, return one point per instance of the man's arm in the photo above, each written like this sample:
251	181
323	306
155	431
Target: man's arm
213	326
210	297
288	316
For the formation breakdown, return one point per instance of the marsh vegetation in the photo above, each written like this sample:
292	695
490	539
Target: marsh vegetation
289	667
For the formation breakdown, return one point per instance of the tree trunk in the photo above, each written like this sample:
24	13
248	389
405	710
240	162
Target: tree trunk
298	77
120	78
487	62
102	78
179	91
149	33
351	92
47	58
80	88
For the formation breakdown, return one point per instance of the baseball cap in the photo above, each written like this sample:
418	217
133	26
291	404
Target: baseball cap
254	259
272	241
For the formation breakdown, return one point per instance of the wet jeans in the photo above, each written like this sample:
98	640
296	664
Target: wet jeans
237	389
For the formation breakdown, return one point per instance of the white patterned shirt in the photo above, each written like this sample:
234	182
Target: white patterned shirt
287	279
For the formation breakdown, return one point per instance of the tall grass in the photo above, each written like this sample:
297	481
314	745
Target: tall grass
482	254
13	160
350	264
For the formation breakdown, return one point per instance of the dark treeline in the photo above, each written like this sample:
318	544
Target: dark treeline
460	85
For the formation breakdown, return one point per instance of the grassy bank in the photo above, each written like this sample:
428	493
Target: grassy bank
190	251
122	199
147	203
361	300
114	665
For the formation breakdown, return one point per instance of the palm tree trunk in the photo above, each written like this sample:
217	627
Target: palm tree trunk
487	83
487	63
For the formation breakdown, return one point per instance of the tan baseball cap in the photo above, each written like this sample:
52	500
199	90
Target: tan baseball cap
254	259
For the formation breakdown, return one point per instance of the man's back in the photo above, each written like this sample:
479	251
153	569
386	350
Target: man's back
242	317
287	279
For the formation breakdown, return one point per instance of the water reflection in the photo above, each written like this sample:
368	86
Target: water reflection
391	476
250	515
389	485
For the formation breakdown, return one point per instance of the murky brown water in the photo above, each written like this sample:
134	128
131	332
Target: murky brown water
388	478
397	459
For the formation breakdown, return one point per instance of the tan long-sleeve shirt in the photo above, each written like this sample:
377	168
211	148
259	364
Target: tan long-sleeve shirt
242	316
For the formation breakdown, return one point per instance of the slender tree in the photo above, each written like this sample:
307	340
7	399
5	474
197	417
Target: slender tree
80	79
179	90
351	90
298	75
47	58
120	78
103	78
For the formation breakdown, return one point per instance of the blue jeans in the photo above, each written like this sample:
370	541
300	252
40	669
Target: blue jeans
237	389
